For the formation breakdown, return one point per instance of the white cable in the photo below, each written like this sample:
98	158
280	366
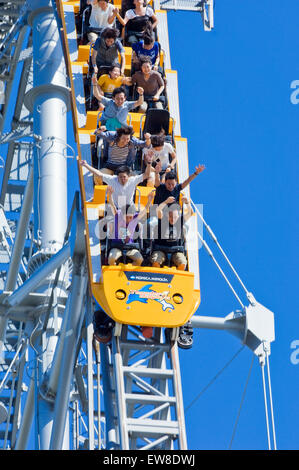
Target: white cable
213	236
266	406
271	402
221	271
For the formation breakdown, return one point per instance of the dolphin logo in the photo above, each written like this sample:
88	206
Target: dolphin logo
145	293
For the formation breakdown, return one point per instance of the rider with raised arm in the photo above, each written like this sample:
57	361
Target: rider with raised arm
171	187
117	108
123	184
123	233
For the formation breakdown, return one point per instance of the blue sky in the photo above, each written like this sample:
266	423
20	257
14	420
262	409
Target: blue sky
236	112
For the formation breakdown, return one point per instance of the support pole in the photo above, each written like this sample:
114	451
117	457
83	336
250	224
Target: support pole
48	101
75	315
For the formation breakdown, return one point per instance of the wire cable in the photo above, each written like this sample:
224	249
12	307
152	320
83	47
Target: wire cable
271	402
213	379
241	404
214	238
266	406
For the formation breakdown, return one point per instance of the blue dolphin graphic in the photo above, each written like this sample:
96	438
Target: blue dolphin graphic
136	297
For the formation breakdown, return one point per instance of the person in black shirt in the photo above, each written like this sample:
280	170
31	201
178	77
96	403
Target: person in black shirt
171	188
170	234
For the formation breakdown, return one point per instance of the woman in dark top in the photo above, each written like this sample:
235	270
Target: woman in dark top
136	20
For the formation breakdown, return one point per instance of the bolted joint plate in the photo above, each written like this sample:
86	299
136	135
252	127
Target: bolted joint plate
259	328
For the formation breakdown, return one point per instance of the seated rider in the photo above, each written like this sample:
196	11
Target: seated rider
123	231
117	108
171	187
152	84
121	147
109	81
136	20
124	185
113	79
170	236
159	151
146	47
106	50
102	16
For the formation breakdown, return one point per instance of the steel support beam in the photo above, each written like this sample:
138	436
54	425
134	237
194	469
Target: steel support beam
48	101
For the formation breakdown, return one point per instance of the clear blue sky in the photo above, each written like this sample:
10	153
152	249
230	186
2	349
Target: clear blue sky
236	112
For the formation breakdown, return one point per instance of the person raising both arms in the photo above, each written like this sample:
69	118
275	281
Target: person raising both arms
123	184
116	108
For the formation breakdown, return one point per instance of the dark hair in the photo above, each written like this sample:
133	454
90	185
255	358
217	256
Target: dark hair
170	176
157	140
118	90
145	60
117	66
122	169
148	34
109	33
123	131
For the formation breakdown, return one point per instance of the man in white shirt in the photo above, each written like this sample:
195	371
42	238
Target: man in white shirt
102	15
122	183
159	151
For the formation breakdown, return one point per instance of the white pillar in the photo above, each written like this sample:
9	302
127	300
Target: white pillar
48	101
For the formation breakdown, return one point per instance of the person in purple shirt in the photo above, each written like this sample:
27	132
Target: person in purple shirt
123	231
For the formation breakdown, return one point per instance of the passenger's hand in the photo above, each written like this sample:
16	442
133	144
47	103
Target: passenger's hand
199	169
110	190
82	162
151	195
156	98
100	129
140	90
170	200
94	79
185	200
147	136
158	167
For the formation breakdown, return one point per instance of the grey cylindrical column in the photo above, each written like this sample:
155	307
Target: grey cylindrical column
48	101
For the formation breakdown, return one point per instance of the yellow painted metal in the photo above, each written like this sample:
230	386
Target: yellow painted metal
149	301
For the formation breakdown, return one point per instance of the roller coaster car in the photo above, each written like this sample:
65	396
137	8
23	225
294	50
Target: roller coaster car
145	295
